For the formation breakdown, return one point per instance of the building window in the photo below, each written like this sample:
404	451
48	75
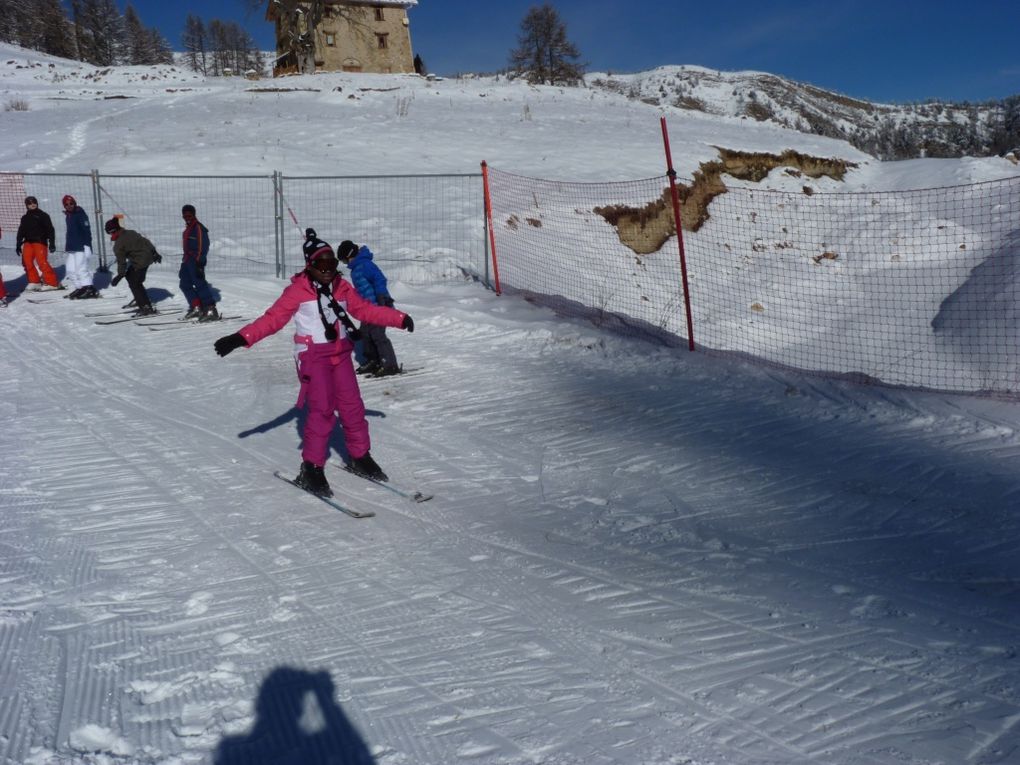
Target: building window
383	41
330	39
379	14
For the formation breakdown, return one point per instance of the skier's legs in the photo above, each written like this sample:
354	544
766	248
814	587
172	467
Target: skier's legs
368	346
42	257
187	283
136	281
383	347
348	402
320	416
77	268
29	252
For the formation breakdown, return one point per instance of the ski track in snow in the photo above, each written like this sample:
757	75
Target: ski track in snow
626	560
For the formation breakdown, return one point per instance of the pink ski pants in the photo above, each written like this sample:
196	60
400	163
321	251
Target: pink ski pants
329	386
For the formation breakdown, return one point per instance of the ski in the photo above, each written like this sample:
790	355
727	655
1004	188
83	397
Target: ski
404	372
121	319
162	326
410	496
44	296
328	500
110	313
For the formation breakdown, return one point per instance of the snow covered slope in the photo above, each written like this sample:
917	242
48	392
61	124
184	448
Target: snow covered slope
633	555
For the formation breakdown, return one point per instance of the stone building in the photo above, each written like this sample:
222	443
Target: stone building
347	36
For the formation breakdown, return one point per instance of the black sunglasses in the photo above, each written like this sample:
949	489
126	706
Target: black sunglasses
325	264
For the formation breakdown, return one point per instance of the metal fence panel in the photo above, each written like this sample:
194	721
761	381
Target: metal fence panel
421	228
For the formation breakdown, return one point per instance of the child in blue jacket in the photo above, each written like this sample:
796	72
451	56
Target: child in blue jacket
78	248
369	281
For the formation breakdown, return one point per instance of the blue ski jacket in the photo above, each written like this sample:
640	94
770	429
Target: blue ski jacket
366	277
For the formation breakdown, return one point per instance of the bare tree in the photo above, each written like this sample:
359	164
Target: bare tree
195	43
298	20
544	54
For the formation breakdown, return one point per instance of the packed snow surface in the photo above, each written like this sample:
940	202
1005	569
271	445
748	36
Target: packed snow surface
633	554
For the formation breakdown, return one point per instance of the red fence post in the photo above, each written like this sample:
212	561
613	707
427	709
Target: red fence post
488	221
679	234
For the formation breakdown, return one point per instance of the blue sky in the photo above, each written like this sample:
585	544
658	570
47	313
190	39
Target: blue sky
896	50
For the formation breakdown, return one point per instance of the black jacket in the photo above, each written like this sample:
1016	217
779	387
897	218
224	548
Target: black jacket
36	227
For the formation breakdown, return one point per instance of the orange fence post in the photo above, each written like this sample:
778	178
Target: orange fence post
679	234
488	222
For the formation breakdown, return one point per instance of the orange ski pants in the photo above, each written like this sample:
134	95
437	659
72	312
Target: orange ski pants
33	253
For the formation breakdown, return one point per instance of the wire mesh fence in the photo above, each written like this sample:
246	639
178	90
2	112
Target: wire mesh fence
423	228
917	289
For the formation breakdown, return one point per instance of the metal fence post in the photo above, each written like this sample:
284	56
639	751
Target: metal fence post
278	212
100	231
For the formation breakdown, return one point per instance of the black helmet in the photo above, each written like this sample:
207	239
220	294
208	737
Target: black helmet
112	225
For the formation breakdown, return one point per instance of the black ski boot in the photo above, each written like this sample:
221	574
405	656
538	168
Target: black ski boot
144	310
313	480
366	467
369	367
209	313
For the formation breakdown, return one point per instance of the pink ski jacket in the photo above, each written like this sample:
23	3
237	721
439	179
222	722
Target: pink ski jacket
300	302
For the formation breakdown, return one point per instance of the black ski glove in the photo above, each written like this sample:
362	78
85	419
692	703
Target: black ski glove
386	300
116	280
408	324
157	258
229	343
53	248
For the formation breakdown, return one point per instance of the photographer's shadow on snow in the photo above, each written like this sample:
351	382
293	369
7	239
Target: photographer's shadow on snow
297	416
297	721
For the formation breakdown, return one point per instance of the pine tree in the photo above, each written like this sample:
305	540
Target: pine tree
57	34
544	54
103	33
136	38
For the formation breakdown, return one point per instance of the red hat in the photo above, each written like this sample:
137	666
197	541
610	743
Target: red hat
68	198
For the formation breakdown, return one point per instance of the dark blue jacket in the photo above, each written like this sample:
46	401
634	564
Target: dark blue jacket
79	232
366	277
196	243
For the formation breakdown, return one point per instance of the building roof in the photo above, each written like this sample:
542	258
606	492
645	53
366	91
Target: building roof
270	7
397	3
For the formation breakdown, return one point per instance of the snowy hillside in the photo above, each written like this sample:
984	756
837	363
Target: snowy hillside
633	554
888	131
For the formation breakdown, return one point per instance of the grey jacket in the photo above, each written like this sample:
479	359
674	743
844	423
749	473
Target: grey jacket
131	248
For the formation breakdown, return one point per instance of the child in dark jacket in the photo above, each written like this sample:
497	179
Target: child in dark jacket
194	285
36	239
318	300
78	250
370	282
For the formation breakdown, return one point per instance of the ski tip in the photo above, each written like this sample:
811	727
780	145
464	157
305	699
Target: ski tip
419	497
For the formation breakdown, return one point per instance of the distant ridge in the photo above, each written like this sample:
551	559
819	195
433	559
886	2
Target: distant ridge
886	131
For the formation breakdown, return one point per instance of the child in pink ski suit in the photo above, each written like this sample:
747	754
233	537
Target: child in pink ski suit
317	299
